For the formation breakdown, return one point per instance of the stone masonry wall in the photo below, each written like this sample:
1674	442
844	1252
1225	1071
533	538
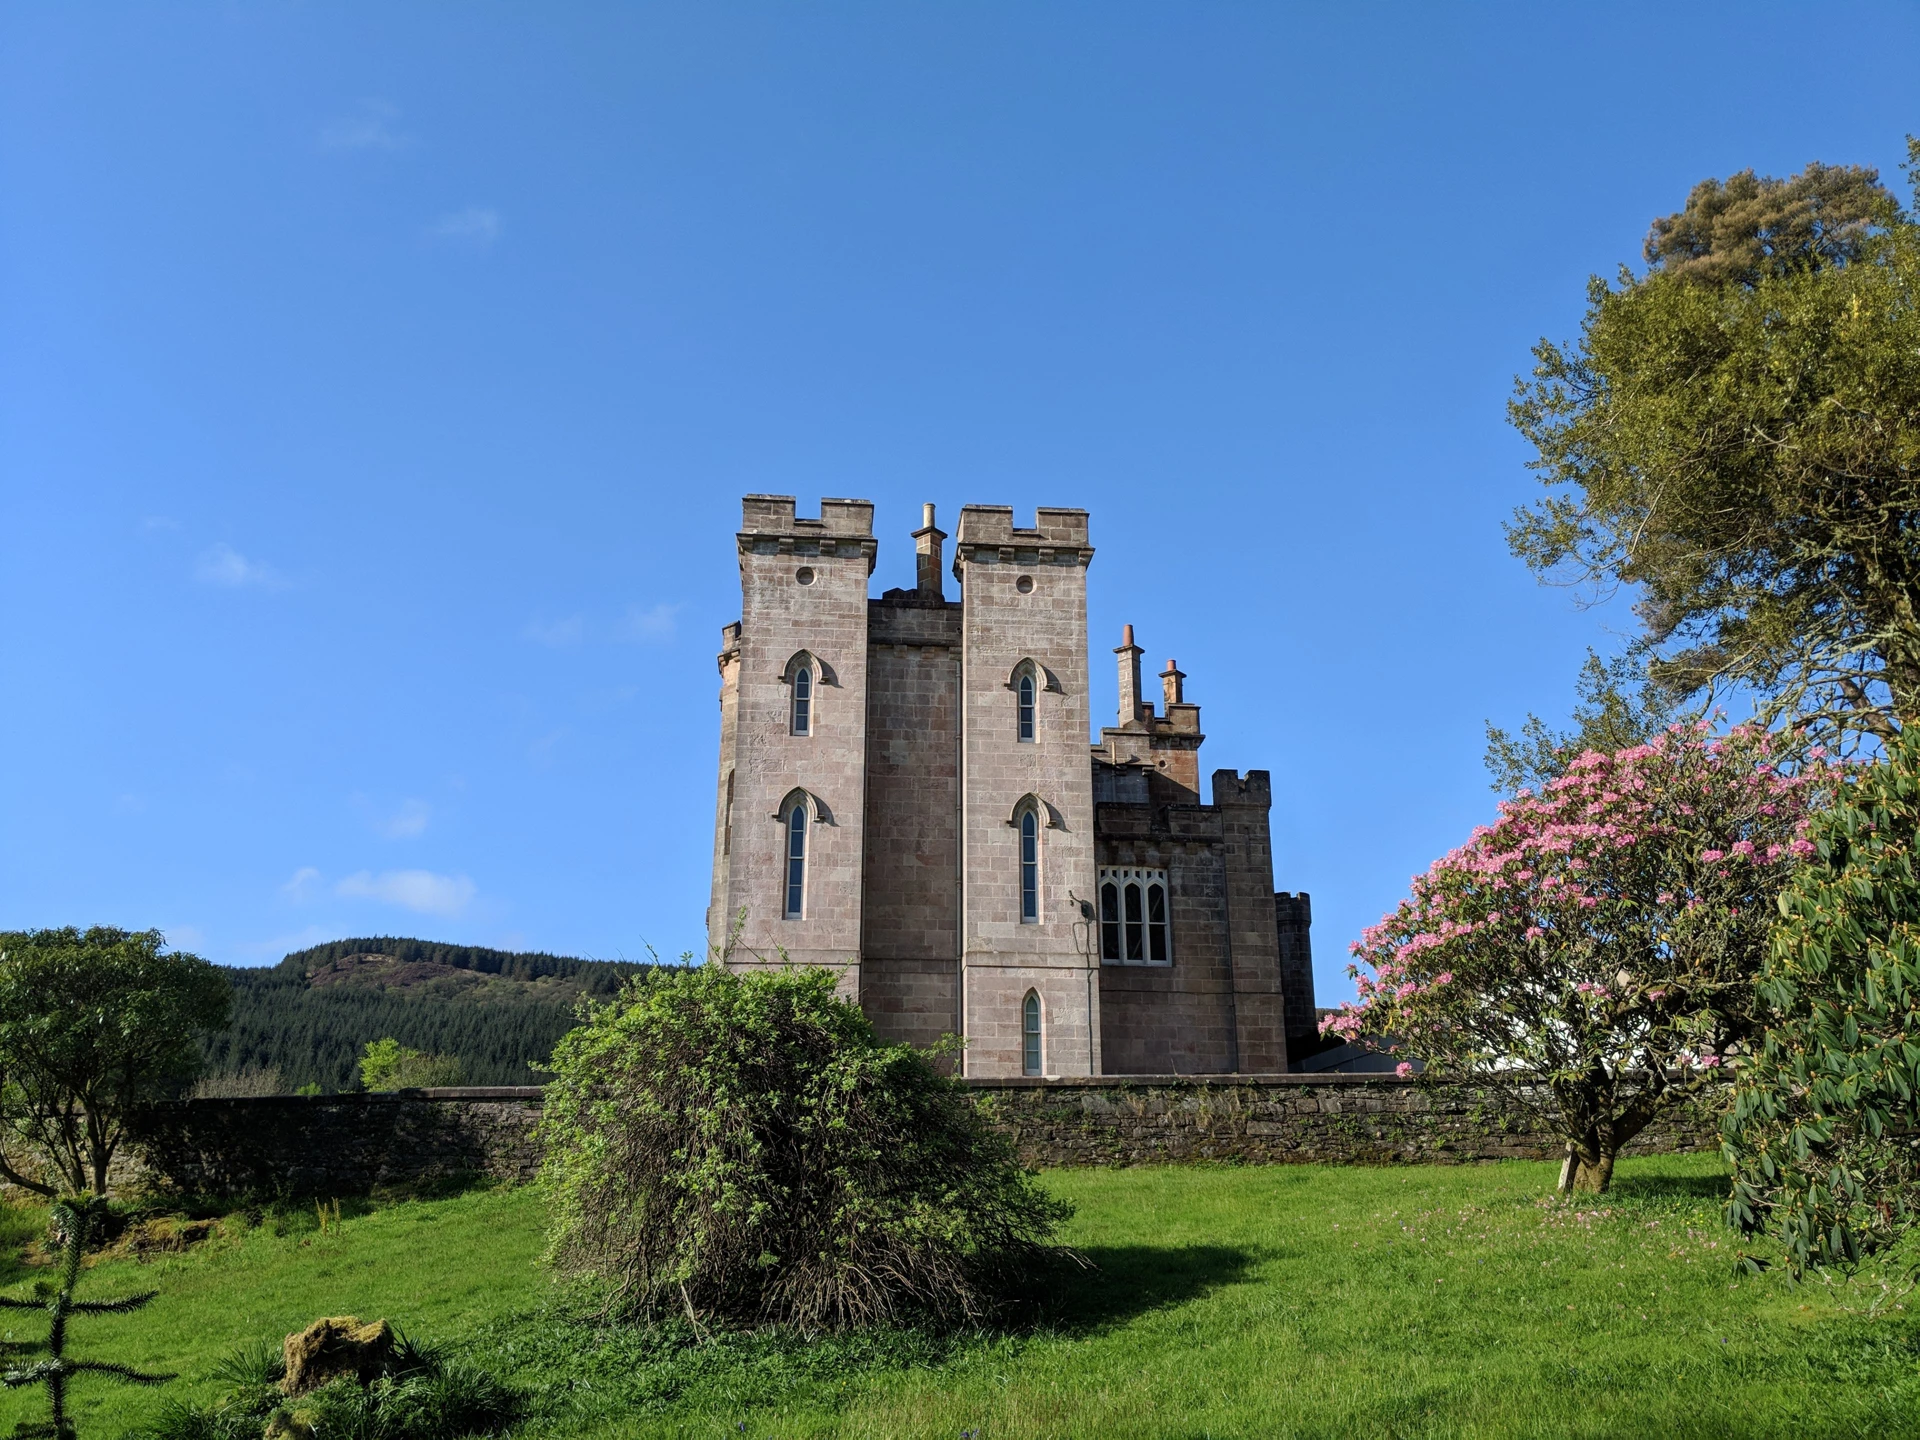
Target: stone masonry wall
1024	598
355	1144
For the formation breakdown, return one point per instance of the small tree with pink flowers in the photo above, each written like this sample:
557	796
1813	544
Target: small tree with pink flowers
1591	955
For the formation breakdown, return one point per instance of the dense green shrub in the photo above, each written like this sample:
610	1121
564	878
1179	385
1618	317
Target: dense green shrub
1822	1129
421	1395
742	1147
389	1065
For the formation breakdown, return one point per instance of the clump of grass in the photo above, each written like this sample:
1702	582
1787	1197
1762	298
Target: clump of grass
420	1395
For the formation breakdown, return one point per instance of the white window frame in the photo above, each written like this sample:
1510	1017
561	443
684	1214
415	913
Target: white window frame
1123	939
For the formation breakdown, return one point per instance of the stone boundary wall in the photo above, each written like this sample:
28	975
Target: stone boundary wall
356	1144
1328	1119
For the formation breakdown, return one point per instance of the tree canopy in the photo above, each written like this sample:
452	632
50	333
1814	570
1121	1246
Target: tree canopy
1735	435
92	1025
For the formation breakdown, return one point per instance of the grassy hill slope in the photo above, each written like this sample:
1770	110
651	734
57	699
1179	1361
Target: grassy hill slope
308	1018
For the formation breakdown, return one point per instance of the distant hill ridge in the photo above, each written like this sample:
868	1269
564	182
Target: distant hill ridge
307	1019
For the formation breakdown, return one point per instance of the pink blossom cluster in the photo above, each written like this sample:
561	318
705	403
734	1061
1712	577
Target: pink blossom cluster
1598	883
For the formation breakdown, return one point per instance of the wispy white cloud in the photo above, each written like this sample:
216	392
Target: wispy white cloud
476	226
225	566
368	126
408	821
420	890
300	888
556	634
542	751
159	522
650	624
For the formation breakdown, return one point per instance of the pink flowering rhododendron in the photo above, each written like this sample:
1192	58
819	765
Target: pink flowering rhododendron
1591	954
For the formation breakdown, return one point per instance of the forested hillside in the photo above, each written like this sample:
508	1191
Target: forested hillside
307	1019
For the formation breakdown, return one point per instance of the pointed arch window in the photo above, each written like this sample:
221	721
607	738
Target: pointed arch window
1029	866
796	876
803	675
1024	691
1030	1054
1135	917
803	700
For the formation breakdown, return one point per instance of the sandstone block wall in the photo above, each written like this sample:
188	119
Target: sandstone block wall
911	893
1024	597
355	1144
803	587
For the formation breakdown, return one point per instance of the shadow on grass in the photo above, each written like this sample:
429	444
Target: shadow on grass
1124	1281
1663	1184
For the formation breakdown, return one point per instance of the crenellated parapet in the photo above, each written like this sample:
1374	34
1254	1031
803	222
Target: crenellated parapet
988	537
769	526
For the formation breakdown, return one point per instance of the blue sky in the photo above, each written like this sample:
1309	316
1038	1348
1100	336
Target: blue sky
378	383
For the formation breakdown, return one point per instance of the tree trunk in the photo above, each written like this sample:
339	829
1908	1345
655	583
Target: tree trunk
1587	1169
1593	1177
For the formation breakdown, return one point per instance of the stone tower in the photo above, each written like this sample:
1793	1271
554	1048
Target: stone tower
803	611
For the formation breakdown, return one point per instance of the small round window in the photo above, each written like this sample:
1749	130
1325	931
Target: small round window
804	575
1024	584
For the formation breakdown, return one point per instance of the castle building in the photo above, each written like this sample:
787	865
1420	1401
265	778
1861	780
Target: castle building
907	795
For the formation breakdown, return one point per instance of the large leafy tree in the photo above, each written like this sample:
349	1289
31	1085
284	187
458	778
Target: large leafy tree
1822	1130
1735	435
1591	955
92	1025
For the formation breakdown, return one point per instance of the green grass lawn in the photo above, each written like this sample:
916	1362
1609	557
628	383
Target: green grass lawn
1285	1301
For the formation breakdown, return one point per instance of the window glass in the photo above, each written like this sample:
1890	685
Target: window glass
803	701
1029	866
1109	921
1030	1033
796	861
1136	915
1157	922
1026	705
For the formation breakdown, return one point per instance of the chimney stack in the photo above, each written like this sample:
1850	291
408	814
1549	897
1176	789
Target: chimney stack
1129	654
928	542
1172	684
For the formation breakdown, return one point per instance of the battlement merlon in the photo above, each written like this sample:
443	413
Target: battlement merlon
769	526
1256	789
988	536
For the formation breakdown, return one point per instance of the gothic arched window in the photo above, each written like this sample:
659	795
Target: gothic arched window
796	822
803	700
1030	1035
1109	921
1024	689
1029	866
1157	922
